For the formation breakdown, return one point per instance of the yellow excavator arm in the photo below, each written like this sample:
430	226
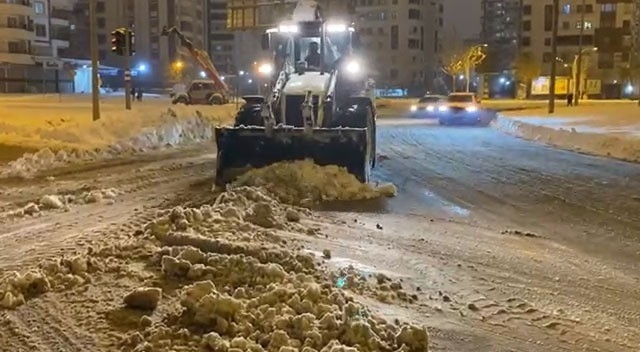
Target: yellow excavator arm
199	55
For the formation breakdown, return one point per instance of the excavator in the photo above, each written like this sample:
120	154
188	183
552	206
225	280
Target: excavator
321	105
220	93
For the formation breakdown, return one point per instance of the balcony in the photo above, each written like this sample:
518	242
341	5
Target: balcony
20	31
16	54
59	22
17	7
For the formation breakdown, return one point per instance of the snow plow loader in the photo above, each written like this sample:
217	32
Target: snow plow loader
320	107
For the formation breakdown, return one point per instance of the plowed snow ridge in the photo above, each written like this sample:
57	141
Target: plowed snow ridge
619	146
120	135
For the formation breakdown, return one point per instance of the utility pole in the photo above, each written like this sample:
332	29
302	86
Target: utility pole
554	55
577	89
127	58
127	68
95	86
636	43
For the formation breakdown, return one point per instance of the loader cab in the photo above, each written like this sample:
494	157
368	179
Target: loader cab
296	45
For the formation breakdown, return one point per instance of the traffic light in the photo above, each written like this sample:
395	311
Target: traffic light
132	42
118	44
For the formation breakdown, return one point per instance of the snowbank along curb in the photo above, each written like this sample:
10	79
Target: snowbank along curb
621	147
172	131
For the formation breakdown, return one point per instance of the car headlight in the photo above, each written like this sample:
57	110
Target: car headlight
471	108
414	108
353	67
430	108
443	108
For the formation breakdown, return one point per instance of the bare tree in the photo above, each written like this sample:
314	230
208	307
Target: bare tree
453	65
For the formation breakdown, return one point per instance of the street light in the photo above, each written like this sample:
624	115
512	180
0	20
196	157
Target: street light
265	69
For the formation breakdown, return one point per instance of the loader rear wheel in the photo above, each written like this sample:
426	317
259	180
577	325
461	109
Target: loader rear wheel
249	116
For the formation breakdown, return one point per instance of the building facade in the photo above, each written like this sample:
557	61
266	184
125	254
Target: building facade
33	38
607	38
220	40
155	63
403	39
501	31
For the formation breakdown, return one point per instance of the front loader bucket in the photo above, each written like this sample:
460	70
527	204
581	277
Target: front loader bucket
243	148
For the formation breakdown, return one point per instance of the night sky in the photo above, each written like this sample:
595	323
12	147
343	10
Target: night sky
464	16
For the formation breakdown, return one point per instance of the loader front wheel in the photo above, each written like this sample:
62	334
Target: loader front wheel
362	116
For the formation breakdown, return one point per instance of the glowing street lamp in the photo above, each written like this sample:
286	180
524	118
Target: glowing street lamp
265	69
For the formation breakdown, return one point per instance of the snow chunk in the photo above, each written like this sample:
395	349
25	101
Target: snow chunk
301	182
145	298
51	202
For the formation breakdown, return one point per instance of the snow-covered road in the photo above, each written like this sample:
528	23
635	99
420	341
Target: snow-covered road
508	245
498	222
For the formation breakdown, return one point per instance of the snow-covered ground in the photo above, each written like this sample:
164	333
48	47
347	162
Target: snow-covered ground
603	129
59	128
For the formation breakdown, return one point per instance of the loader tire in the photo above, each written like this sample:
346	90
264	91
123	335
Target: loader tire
249	116
362	115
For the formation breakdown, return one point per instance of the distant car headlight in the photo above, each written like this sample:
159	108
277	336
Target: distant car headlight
431	108
443	108
414	108
471	108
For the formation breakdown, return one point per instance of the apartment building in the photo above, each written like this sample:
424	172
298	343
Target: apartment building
402	41
155	54
33	36
501	24
220	39
607	36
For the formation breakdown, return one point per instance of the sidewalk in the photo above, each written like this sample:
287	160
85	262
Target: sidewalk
603	129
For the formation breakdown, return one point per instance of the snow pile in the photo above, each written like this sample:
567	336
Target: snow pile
227	276
246	291
64	274
64	202
109	138
306	183
619	146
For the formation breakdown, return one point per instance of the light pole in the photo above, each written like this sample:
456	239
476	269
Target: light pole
95	79
578	81
554	55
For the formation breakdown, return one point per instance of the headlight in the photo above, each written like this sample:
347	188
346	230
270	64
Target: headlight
443	108
414	108
471	109
353	67
430	108
283	28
